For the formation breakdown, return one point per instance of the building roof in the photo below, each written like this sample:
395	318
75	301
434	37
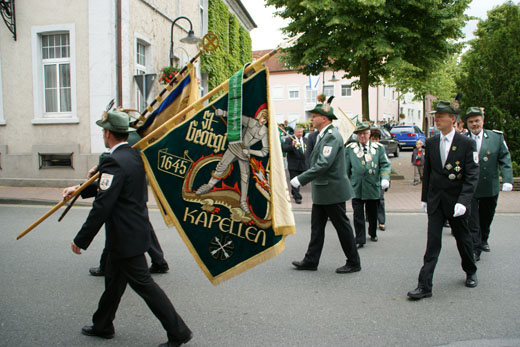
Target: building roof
274	64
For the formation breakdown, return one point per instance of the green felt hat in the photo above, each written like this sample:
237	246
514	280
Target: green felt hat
361	127
115	121
473	111
447	107
324	109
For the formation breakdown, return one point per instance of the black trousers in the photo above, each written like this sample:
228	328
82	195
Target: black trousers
338	217
295	192
155	252
359	207
134	271
460	229
482	213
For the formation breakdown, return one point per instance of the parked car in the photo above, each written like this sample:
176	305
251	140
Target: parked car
407	135
387	140
434	131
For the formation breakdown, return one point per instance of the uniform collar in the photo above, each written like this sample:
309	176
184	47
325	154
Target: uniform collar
117	146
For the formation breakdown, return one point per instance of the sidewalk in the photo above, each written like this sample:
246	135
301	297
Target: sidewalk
402	196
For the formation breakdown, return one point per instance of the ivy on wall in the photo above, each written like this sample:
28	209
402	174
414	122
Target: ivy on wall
234	50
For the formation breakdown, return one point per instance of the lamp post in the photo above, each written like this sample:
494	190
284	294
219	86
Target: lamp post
190	39
334	78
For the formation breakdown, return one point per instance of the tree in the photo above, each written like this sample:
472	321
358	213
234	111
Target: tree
439	81
370	39
490	73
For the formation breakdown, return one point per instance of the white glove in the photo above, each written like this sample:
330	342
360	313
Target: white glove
507	187
424	206
295	182
385	184
459	210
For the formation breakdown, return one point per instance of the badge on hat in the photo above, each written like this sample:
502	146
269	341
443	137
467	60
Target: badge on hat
327	150
105	181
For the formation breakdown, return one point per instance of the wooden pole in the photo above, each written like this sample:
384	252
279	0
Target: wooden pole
57	206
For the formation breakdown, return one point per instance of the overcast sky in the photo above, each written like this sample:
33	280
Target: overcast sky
268	34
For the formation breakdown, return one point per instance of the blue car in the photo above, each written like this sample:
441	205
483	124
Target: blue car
407	135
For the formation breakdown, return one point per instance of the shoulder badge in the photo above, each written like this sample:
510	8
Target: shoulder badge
498	131
330	131
326	150
105	181
351	145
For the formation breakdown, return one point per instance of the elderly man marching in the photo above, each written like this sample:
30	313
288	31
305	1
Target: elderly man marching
368	169
493	154
330	190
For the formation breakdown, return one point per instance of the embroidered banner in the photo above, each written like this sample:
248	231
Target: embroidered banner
229	202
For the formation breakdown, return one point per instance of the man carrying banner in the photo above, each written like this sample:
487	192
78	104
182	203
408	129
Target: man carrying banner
254	131
330	190
159	264
120	204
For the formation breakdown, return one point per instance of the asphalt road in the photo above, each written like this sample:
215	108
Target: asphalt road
47	294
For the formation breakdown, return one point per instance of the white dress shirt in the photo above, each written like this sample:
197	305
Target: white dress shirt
478	139
449	136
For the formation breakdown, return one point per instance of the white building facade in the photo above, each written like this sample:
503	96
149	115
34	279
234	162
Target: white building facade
292	94
69	59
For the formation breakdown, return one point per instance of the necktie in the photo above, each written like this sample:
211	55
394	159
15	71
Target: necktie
301	145
477	138
444	141
365	149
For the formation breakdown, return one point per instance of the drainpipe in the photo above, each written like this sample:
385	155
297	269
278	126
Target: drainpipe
119	65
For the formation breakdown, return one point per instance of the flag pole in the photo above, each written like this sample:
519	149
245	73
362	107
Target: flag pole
169	124
57	206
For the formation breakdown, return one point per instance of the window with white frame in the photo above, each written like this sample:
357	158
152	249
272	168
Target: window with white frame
141	52
201	12
294	92
328	90
54	74
310	95
277	92
346	90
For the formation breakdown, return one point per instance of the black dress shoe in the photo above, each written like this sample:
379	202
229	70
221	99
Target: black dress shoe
177	343
159	269
382	227
90	331
373	238
347	268
418	294
476	256
360	245
471	281
298	201
96	271
301	265
485	247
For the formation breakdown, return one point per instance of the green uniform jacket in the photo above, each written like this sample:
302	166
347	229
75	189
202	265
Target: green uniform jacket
330	184
493	154
366	175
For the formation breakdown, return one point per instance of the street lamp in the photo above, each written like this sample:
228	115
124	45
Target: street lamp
334	78
190	39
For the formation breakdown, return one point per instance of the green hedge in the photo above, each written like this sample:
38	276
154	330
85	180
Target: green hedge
234	49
